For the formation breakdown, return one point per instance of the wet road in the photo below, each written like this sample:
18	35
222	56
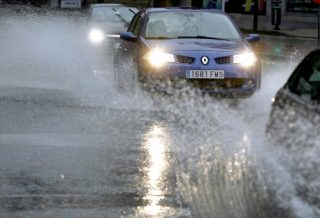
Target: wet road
71	146
58	157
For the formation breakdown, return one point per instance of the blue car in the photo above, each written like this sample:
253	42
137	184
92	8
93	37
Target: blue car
179	47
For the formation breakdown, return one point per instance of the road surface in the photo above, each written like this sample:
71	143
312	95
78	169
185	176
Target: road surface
71	146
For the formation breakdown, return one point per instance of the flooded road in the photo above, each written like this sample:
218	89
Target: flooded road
72	146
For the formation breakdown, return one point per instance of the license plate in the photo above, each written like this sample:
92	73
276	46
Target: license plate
205	74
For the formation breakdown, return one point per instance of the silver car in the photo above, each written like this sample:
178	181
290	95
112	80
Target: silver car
108	21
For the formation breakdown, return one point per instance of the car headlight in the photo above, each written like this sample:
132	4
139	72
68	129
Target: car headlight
158	58
96	36
246	59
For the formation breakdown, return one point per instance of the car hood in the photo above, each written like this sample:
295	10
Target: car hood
109	27
197	45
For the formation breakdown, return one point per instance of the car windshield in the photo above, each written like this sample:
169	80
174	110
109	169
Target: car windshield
188	24
112	14
127	13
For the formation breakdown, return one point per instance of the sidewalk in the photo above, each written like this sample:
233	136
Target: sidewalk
297	33
302	26
307	33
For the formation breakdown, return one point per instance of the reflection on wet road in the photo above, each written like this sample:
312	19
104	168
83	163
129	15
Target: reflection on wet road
57	157
156	143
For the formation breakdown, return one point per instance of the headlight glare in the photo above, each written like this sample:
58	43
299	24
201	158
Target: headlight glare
96	36
158	58
246	59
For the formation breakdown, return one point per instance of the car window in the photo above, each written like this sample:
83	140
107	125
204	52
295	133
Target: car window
190	23
133	22
127	13
137	27
305	81
104	14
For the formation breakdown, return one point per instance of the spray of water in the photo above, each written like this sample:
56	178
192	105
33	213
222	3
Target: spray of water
227	166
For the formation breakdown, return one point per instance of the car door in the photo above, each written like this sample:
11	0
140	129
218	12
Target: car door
124	61
294	129
129	47
295	118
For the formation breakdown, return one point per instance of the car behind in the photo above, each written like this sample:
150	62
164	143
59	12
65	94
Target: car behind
108	20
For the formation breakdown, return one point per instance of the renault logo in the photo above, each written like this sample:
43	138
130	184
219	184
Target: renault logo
205	60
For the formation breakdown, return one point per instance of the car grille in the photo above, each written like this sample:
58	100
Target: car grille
185	59
218	84
223	60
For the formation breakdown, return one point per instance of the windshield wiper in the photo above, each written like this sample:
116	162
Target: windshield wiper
117	13
132	11
201	37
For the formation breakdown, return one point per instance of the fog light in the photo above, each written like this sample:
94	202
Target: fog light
250	83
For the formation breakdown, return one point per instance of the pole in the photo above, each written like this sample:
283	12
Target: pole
223	5
255	16
319	26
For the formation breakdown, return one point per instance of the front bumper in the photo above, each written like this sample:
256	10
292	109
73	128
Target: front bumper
237	80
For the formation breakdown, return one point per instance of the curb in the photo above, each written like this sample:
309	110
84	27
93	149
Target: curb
276	33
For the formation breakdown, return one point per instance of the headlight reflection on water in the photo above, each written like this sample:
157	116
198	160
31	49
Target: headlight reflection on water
156	142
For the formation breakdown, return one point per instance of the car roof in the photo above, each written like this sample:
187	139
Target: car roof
151	10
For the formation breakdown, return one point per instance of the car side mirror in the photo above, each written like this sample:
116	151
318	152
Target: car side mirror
253	37
128	36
